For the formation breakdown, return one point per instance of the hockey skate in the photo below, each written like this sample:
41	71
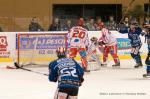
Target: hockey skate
104	64
117	65
146	75
86	70
138	65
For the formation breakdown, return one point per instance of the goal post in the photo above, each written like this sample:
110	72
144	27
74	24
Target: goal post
38	49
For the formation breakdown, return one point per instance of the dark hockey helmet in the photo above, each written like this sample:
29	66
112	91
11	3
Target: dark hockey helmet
94	39
61	52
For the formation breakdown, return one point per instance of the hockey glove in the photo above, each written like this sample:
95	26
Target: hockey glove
81	81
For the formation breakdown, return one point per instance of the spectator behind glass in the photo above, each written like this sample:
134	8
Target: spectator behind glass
99	24
55	26
111	24
134	21
68	25
146	31
91	25
34	25
126	22
146	20
124	26
81	23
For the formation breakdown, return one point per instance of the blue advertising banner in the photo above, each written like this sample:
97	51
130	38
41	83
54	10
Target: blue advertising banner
123	43
41	42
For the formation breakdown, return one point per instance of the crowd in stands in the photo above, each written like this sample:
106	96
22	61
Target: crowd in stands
90	24
34	25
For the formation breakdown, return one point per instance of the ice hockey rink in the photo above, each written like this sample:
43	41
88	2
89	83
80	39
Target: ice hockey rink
106	83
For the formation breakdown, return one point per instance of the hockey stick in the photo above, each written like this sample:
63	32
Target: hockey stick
18	67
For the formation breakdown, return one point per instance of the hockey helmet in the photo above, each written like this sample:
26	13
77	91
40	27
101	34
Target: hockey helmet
105	31
61	52
93	39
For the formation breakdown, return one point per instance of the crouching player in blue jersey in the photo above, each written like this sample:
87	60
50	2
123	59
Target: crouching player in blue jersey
134	36
68	73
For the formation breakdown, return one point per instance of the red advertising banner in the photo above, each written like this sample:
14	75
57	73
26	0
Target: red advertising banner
4	53
3	43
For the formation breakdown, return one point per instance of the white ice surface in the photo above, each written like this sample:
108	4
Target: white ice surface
20	84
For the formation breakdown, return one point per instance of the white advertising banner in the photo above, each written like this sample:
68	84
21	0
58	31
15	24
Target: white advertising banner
7	48
8	45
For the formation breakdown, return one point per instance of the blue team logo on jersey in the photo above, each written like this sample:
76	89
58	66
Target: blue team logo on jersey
76	40
123	43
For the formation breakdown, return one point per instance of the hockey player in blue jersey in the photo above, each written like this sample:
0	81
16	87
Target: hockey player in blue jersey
147	62
134	36
68	73
146	32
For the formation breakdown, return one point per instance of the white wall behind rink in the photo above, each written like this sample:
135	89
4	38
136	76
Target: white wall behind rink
11	45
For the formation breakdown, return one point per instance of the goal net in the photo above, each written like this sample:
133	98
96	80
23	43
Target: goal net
38	49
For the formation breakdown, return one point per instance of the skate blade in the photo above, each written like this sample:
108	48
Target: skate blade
147	77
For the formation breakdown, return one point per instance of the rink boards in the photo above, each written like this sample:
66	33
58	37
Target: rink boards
8	46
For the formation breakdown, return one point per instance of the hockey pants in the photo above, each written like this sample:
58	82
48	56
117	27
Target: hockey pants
136	54
66	93
82	52
113	51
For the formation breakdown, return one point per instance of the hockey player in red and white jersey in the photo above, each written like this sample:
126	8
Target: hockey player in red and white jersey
78	42
110	42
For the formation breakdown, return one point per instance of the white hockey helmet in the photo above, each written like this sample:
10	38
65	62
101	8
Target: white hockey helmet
105	31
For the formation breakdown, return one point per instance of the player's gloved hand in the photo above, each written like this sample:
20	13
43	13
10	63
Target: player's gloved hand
86	48
55	80
81	81
101	43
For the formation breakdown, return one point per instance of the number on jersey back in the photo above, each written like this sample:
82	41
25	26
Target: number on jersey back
78	37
